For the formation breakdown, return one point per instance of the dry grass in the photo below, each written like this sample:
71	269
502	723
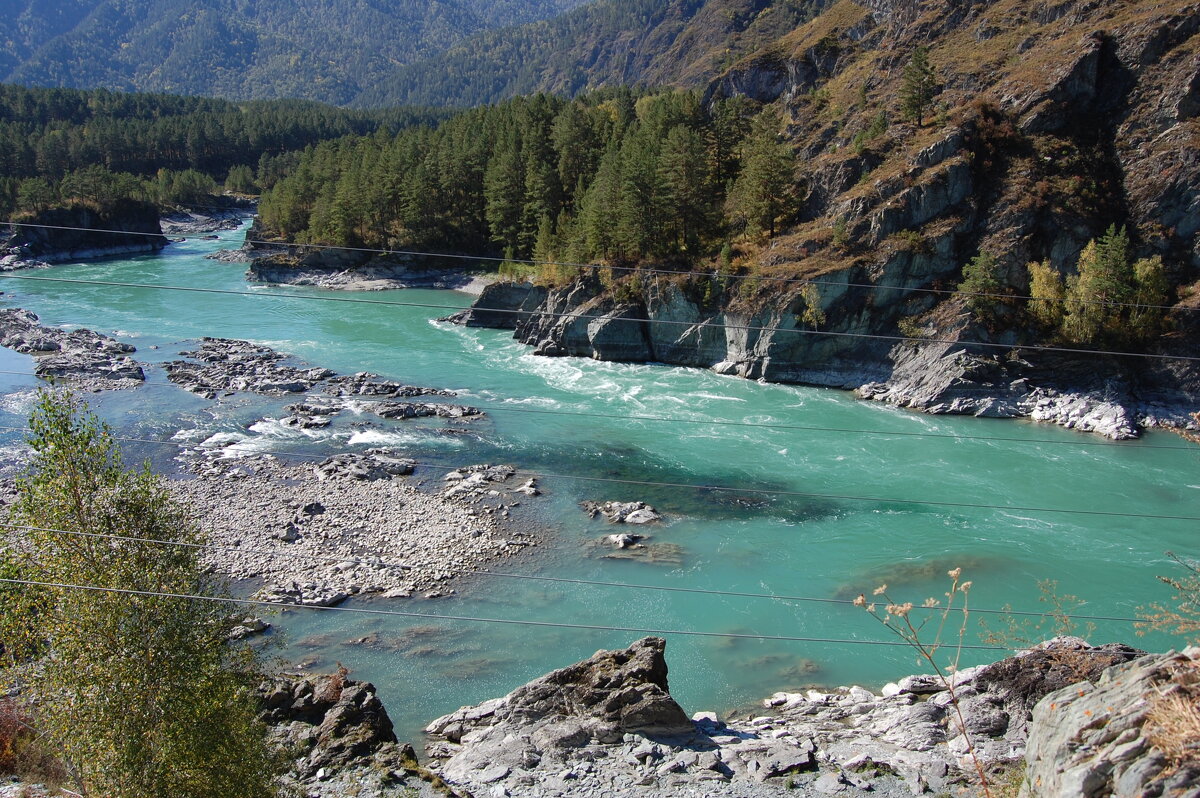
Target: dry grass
21	751
1173	726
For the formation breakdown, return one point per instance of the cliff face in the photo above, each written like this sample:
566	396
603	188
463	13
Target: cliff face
137	222
1051	123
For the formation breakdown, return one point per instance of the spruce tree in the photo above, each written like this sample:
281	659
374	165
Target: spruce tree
918	86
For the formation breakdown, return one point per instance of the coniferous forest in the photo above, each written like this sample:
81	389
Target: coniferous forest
57	145
617	175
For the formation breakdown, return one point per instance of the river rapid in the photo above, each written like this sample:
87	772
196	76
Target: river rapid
865	494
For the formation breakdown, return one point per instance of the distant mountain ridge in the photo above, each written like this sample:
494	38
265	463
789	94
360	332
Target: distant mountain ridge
683	43
328	50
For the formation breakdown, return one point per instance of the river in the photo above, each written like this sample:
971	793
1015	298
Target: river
911	505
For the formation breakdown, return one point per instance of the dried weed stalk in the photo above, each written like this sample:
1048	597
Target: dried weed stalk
898	620
1183	617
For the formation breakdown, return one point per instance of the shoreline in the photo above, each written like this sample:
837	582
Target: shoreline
318	540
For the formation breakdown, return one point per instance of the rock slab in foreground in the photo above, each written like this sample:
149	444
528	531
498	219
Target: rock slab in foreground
1090	740
339	737
608	727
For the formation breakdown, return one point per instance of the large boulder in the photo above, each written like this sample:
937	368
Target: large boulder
599	700
1098	739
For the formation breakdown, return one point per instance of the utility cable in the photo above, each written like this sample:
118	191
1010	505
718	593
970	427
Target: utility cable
754	491
493	408
596	266
593	317
471	619
376	562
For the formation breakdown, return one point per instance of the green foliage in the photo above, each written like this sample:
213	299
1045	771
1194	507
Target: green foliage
104	143
762	195
911	241
981	282
240	180
617	175
841	235
877	128
97	186
918	86
35	194
1111	299
1047	293
141	696
814	314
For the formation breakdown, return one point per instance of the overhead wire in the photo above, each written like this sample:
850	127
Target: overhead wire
597	266
595	317
477	619
494	408
751	491
378	562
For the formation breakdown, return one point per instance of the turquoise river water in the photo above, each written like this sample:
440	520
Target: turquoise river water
762	543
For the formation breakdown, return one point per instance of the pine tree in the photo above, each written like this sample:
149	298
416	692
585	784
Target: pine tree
761	194
683	172
918	86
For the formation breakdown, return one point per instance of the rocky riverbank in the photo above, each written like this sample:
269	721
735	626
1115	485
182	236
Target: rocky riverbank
609	727
350	525
341	740
769	340
82	233
83	359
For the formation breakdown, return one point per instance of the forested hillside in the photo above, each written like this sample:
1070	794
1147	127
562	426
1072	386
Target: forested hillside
995	174
102	144
615	175
681	43
327	50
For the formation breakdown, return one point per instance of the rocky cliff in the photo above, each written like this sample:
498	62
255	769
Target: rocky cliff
1050	123
69	234
608	726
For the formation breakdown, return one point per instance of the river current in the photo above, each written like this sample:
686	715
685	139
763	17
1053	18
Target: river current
837	513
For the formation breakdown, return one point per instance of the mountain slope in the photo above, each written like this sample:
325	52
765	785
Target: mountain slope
604	43
1060	145
240	49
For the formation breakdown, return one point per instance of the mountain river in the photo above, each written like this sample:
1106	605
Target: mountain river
835	512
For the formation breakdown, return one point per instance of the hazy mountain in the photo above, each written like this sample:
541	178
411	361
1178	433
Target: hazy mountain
603	43
328	50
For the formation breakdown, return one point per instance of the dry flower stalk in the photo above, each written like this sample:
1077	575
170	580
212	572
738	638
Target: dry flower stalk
898	620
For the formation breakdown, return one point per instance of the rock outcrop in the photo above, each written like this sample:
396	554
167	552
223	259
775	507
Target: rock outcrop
607	726
1058	122
1089	740
85	359
70	234
338	737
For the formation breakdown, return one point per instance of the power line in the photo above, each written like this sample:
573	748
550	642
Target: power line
471	619
726	489
493	408
635	269
592	317
376	562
